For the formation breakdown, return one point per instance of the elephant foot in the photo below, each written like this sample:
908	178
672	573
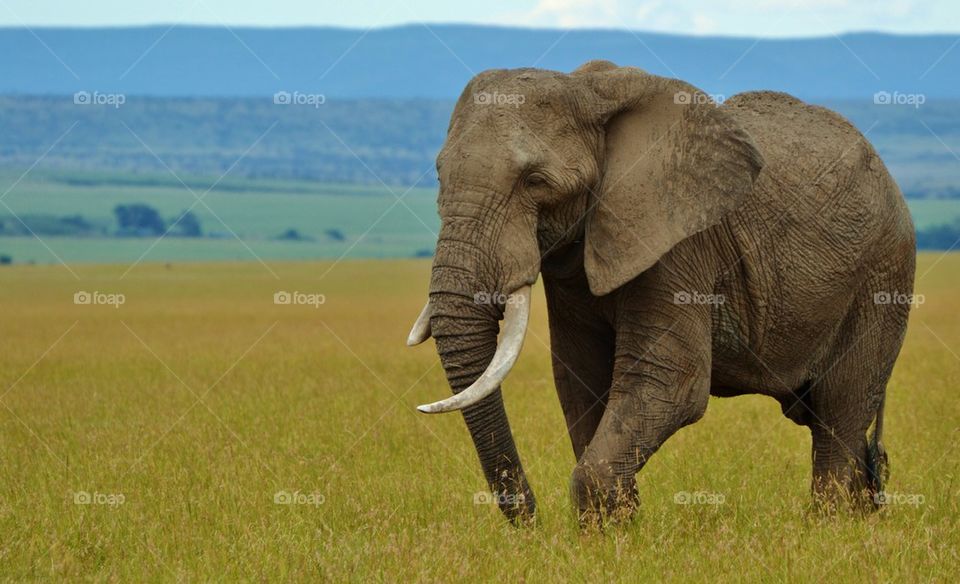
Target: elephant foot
601	497
515	501
833	495
848	472
520	509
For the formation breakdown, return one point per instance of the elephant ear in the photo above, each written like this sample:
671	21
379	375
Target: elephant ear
673	164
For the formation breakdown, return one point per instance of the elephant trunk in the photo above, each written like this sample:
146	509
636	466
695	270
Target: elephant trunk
511	341
465	329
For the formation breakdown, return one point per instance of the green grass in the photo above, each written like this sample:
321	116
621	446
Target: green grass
171	249
374	222
930	212
199	399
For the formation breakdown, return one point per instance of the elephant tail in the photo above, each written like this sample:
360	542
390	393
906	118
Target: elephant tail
878	468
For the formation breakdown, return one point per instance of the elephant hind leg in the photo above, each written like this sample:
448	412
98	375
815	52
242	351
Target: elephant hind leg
845	459
846	409
849	459
840	465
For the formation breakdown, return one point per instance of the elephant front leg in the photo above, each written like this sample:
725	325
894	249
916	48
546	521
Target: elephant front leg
583	348
661	383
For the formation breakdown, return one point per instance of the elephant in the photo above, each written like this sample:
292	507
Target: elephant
687	248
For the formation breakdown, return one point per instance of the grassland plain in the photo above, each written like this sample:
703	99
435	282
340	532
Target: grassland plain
377	222
199	431
374	223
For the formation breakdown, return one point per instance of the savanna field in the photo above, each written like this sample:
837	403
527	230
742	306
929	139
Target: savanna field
199	431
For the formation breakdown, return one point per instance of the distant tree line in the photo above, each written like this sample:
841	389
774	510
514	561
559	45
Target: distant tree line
71	225
136	220
139	220
398	140
133	220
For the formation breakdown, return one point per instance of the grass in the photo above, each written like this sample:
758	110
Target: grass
929	212
199	399
374	223
173	249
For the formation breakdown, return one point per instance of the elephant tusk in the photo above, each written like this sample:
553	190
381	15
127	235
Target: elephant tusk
515	319
421	329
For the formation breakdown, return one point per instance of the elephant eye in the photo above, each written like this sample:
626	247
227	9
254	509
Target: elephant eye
535	180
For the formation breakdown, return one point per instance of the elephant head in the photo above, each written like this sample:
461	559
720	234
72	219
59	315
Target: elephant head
625	162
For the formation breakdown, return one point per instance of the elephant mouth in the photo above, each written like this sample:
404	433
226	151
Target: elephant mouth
515	318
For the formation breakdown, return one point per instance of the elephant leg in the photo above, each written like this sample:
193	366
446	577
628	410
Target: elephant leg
848	464
582	346
661	382
849	461
839	461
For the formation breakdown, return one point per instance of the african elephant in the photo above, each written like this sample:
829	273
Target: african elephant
687	249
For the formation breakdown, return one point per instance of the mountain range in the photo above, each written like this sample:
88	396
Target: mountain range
435	61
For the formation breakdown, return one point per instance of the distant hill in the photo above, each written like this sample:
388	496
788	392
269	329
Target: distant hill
361	141
344	141
414	61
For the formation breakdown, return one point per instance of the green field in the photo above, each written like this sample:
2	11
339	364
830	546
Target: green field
148	442
929	212
241	218
375	223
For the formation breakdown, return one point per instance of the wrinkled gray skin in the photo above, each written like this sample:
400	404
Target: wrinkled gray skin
626	191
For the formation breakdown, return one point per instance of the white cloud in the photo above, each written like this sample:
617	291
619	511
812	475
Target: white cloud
773	18
575	13
795	5
653	15
703	24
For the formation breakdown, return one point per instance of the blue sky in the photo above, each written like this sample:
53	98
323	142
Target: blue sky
771	18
